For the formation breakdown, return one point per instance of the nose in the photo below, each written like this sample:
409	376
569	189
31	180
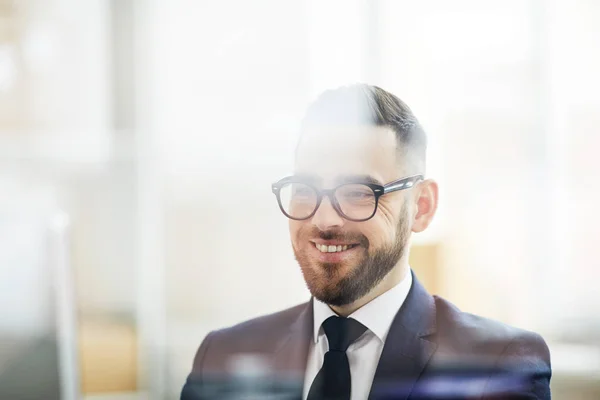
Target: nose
326	217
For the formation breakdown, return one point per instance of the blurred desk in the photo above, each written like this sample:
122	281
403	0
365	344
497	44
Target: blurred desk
578	360
108	352
575	371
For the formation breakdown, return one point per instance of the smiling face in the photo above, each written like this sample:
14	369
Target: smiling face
342	260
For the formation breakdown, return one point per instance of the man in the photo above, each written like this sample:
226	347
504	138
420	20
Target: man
370	330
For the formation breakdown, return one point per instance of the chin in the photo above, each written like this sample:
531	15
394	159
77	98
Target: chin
320	280
332	296
329	289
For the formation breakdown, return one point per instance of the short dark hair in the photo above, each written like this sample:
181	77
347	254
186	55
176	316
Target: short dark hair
368	105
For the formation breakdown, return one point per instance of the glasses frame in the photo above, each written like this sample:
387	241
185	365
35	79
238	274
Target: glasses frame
378	191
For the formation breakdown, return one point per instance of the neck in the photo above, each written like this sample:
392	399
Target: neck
394	277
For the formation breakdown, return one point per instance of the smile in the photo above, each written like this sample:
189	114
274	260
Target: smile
323	248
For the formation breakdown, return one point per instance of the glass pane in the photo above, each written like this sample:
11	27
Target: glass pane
356	201
298	200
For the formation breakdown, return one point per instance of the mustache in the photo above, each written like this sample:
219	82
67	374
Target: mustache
343	237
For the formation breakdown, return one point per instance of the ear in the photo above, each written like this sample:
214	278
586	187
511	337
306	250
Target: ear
425	205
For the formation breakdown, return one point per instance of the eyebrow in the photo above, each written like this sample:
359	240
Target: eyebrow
340	179
358	179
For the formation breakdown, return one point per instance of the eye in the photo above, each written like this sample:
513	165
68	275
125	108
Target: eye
357	194
302	191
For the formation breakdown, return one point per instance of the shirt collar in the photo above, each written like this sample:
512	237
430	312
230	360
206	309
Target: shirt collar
377	315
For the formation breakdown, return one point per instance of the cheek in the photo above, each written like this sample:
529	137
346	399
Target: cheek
295	227
382	227
376	232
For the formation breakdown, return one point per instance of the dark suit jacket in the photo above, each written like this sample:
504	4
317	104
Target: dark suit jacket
433	351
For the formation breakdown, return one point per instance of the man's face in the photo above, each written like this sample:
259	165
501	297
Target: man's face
328	157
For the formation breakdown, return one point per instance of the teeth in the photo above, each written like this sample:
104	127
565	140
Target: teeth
331	249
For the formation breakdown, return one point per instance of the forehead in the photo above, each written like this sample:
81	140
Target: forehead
328	153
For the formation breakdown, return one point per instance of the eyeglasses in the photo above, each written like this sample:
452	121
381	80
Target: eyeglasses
356	202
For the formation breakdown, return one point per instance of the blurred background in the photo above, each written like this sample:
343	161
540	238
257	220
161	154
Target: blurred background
139	138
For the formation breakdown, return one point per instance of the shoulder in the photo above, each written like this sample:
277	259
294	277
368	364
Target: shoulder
496	359
263	327
465	333
255	336
223	352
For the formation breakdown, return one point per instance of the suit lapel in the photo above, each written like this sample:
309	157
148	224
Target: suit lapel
406	350
291	354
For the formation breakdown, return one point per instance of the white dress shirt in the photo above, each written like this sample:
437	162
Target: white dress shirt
364	353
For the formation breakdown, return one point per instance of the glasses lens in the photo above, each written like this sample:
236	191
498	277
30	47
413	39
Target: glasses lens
298	200
356	201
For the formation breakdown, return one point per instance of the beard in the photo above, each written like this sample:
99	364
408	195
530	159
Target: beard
368	272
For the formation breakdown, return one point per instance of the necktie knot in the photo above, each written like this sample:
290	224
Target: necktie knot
342	332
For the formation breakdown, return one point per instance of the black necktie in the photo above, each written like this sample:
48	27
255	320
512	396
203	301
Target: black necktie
333	380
